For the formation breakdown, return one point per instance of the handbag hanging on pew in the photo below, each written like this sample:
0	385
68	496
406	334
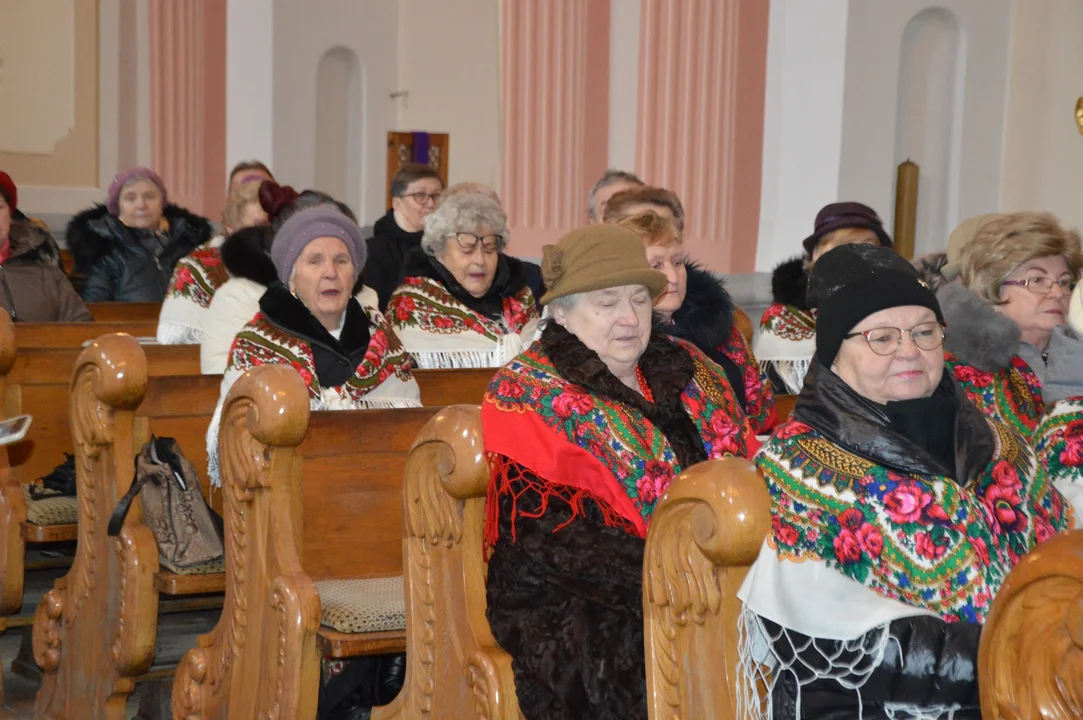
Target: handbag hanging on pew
188	531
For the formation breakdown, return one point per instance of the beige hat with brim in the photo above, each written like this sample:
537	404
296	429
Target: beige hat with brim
960	237
598	257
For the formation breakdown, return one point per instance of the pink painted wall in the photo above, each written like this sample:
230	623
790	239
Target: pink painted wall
702	71
187	106
555	97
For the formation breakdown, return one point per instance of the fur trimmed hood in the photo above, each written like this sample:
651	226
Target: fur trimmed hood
31	243
246	255
705	318
977	334
789	283
94	232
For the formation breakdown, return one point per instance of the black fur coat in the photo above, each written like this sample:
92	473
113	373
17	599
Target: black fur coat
789	283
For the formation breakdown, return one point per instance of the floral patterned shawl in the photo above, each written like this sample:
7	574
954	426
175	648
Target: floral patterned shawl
1012	395
195	279
921	539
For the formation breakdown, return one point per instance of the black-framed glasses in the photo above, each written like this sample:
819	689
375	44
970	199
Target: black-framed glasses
468	242
886	340
424	198
1043	284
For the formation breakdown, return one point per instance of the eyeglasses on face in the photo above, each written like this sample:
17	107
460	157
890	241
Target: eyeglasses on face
886	340
468	242
1042	284
424	198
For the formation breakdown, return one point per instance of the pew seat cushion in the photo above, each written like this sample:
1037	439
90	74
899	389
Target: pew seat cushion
60	510
210	567
363	606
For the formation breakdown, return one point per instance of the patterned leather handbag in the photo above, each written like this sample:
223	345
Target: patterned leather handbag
188	531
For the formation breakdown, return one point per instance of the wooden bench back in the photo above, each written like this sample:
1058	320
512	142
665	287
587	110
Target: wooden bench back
351	466
453	387
704	536
744	324
111	312
38	383
36	335
308	496
452	661
1030	659
109	599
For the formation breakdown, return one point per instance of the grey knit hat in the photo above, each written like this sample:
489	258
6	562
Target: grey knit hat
308	225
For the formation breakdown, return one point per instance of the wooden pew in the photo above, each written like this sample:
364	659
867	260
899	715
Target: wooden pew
49	335
96	632
784	406
109	312
309	498
454	667
704	536
1030	660
449	387
744	324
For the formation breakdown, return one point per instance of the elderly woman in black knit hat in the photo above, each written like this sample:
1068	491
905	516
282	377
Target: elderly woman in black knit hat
898	509
787	334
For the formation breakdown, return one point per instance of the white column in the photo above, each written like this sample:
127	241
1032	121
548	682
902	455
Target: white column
249	81
802	140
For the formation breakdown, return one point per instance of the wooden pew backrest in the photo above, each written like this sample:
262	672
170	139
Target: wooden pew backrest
111	312
453	664
1030	660
350	524
704	536
36	335
38	384
453	387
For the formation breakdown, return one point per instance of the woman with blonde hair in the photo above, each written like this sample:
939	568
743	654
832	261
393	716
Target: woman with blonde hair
199	274
1009	346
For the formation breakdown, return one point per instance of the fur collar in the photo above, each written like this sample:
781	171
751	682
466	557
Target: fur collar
977	334
246	254
32	244
705	318
667	368
94	232
286	312
789	283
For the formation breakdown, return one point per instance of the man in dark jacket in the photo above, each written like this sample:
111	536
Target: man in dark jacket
128	247
415	190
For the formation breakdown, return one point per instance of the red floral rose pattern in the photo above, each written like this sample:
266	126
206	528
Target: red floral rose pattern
197	276
759	398
1012	395
424	304
924	540
637	455
261	343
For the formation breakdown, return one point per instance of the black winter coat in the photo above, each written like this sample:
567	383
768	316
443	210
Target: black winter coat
124	264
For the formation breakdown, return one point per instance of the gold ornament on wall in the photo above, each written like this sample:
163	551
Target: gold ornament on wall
1079	114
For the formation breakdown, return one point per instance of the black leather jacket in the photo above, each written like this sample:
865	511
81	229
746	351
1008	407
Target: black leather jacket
928	662
123	264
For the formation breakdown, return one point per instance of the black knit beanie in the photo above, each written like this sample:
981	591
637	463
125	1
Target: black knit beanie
851	282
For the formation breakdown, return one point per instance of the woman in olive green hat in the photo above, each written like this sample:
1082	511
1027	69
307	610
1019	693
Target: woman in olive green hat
584	432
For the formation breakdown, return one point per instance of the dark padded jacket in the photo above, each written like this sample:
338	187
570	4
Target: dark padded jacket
123	264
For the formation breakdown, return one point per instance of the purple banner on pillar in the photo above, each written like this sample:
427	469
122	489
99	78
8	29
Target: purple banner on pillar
421	148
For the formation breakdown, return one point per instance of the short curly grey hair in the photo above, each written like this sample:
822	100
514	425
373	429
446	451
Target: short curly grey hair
463	212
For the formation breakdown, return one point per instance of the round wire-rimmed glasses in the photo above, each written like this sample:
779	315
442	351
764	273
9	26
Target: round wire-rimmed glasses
468	242
886	340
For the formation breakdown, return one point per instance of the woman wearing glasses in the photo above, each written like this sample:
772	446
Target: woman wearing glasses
898	508
1010	349
463	302
415	190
